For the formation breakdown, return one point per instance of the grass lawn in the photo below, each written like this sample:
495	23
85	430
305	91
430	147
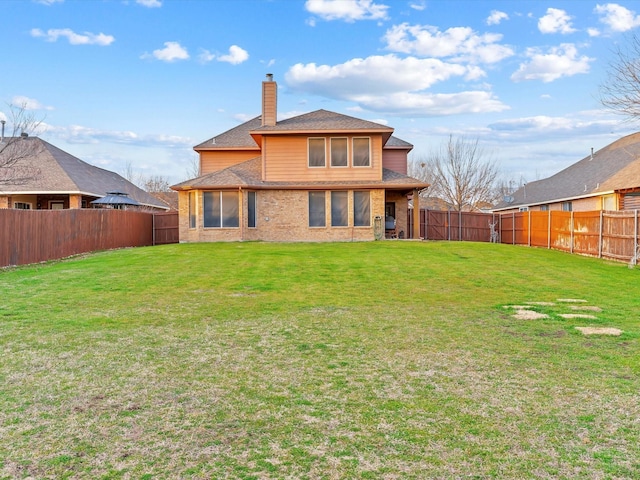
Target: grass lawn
374	360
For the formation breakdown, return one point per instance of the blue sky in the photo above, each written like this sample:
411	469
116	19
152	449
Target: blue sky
138	83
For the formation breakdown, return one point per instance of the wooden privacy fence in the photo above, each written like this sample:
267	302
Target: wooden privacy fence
611	235
31	236
165	228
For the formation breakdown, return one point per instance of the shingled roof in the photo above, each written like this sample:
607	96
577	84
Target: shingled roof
614	167
316	121
58	172
249	175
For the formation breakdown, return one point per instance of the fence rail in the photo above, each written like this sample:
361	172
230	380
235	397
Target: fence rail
602	234
32	236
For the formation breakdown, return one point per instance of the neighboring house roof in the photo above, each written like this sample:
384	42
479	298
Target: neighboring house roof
317	121
58	172
249	175
613	168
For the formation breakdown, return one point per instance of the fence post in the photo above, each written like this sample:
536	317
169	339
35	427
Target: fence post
571	237
600	234
449	225
459	225
513	228
529	229
635	233
549	230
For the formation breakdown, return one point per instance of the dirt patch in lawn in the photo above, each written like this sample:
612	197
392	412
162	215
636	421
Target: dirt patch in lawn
599	331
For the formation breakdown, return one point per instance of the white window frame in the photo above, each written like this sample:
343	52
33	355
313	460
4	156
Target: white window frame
353	152
324	143
346	145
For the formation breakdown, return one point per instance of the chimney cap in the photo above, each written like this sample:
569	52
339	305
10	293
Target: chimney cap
269	77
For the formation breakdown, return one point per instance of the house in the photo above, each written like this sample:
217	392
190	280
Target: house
48	178
608	179
320	176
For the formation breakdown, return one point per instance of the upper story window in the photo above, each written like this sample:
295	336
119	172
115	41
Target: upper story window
317	152
567	206
361	152
339	152
544	208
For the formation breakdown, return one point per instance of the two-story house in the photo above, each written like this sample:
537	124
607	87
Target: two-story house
321	176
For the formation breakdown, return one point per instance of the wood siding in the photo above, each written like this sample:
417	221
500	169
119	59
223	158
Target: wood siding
213	161
287	161
395	160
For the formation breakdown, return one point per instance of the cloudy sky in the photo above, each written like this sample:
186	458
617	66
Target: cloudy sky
135	84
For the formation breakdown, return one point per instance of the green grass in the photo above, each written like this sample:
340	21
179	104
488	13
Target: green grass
361	360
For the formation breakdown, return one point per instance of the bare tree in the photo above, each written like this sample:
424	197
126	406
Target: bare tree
155	184
621	92
193	168
17	150
460	174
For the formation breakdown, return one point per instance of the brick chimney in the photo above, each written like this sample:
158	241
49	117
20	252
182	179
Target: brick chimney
269	101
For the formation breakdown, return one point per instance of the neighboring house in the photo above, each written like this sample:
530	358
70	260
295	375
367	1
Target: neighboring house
51	179
321	176
608	179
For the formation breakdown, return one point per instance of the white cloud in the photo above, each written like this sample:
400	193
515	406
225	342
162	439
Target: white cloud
418	5
150	3
236	55
496	17
206	56
48	2
617	17
555	21
560	61
394	85
347	10
460	43
86	38
171	52
28	103
593	32
77	134
433	104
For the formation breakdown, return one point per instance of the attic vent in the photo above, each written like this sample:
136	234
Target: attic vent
213	141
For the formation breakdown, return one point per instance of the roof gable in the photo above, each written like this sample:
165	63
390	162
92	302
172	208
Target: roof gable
614	167
247	135
60	172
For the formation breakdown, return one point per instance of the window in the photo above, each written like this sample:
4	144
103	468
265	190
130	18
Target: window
220	209
316	152
22	206
361	209
339	152
361	152
523	209
567	206
192	209
339	209
251	209
56	205
544	208
317	217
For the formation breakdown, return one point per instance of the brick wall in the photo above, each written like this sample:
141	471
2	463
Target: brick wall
282	216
